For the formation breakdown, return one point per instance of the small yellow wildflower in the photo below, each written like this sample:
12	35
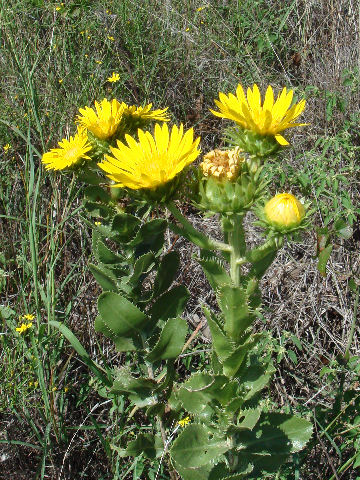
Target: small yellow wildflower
82	32
97	223
28	316
70	153
61	80
269	118
99	62
115	77
104	120
153	160
24	327
185	421
111	38
284	211
66	389
7	147
201	8
222	164
187	29
57	8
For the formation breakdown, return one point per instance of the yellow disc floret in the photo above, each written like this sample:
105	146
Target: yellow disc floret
222	163
153	160
70	153
104	120
267	118
284	211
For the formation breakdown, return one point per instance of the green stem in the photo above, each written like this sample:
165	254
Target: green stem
238	248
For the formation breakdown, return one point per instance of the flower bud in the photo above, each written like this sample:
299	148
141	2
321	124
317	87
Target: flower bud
284	211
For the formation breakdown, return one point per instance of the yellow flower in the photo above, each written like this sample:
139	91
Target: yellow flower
115	77
268	118
145	113
185	421
222	164
7	147
104	121
28	316
24	327
111	38
284	211
70	153
153	160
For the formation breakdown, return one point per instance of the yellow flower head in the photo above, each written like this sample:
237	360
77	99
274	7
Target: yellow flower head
145	113
184	421
115	77
268	118
284	211
222	164
24	327
70	153
104	121
7	147
153	160
28	316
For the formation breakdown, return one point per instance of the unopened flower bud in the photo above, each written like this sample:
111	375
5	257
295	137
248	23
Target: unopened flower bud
284	211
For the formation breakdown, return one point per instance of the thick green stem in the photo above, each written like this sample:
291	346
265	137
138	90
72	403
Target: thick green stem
238	248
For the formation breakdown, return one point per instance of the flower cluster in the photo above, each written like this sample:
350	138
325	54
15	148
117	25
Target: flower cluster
112	139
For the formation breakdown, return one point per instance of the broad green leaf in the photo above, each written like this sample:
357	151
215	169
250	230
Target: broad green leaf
221	343
149	233
122	344
171	304
255	377
247	419
125	226
234	362
200	473
323	258
166	272
125	383
96	194
233	302
147	444
202	388
194	448
171	341
97	209
105	255
143	265
105	278
342	229
80	350
215	273
259	268
120	316
276	433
